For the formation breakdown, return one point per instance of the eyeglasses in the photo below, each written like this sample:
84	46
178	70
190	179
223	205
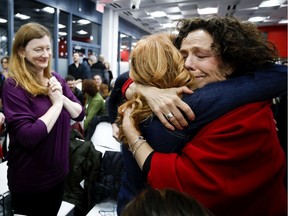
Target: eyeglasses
4	62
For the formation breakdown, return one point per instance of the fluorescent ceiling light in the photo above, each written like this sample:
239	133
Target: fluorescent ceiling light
3	20
22	16
62	33
271	3
60	26
158	14
48	10
257	19
175	17
82	32
283	21
168	25
83	21
208	10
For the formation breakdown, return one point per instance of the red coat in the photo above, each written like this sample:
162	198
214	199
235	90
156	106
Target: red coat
234	166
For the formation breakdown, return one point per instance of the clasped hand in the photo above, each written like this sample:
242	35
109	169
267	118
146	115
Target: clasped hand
55	91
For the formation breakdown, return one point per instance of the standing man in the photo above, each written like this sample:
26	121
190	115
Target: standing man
77	70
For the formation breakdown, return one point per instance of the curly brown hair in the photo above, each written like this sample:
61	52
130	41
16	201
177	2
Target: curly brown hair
241	44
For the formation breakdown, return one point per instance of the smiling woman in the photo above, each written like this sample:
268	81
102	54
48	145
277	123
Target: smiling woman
38	106
38	53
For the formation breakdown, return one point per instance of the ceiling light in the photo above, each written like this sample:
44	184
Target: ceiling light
175	17
283	21
257	19
62	33
208	10
82	32
22	16
123	36
60	26
158	14
48	10
168	25
83	22
271	3
3	20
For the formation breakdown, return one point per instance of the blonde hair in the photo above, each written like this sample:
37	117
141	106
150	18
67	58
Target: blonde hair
155	61
19	68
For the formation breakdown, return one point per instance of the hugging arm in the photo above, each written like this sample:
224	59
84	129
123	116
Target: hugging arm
210	103
217	99
260	85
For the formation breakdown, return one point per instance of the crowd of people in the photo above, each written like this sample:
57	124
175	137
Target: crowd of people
193	117
90	81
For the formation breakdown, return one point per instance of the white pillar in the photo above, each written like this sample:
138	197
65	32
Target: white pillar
109	43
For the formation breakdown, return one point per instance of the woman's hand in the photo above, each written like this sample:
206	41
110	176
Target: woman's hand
55	91
167	105
128	125
133	134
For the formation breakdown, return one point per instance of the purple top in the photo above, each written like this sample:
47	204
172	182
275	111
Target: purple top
36	160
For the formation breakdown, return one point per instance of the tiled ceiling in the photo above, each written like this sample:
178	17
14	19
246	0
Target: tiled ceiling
175	9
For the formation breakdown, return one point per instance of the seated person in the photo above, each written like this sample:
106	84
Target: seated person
94	105
102	88
70	80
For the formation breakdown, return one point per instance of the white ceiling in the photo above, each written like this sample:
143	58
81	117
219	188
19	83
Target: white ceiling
175	9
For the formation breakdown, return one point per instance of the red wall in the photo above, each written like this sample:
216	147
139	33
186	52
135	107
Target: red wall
278	36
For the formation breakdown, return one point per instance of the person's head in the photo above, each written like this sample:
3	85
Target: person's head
31	56
165	202
92	59
216	48
5	62
76	57
101	58
98	80
89	87
155	61
70	80
104	90
107	65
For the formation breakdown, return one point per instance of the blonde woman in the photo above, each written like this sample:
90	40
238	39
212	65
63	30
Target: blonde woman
38	106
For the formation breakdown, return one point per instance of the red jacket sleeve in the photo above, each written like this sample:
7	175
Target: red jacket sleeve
126	86
234	166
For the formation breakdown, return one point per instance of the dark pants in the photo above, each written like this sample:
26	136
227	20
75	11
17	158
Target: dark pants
45	203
